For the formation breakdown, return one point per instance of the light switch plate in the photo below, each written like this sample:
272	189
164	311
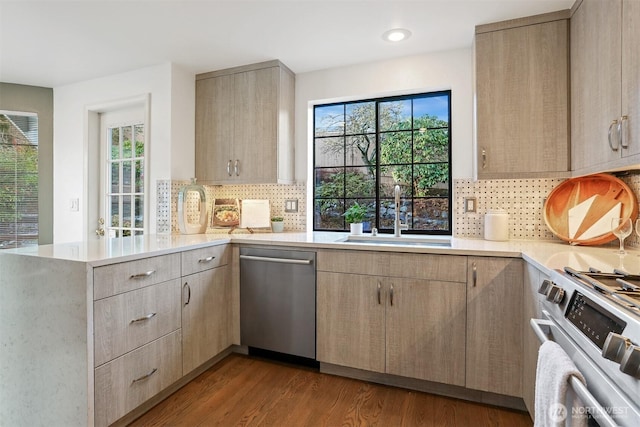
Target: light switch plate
74	204
291	205
469	204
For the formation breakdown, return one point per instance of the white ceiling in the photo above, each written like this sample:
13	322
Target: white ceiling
53	43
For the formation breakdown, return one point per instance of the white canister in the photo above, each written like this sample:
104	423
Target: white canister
496	225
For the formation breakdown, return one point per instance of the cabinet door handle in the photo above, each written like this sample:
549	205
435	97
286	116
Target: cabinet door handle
143	318
229	168
391	295
379	293
622	129
207	259
188	288
611	126
484	158
142	275
236	167
145	376
474	274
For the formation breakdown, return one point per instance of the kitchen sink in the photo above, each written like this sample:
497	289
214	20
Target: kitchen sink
398	241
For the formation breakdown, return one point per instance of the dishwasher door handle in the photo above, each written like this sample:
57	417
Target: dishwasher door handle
280	260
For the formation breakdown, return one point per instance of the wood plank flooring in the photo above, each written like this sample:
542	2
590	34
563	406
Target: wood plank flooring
247	391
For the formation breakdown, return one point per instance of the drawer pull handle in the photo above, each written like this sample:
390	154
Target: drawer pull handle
615	124
188	288
145	376
474	274
143	318
207	259
142	275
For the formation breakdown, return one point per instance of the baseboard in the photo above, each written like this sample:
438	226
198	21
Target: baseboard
440	389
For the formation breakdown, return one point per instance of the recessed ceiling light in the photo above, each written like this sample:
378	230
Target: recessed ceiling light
396	35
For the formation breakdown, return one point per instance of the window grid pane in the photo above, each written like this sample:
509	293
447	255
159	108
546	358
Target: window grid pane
400	140
127	182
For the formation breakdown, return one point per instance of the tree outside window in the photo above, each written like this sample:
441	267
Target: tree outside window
18	180
363	149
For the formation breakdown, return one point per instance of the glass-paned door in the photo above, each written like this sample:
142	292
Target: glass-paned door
123	182
125	197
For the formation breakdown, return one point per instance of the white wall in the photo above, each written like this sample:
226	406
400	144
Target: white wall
183	118
171	141
421	73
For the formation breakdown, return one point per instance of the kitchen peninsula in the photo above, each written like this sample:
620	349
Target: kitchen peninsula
53	304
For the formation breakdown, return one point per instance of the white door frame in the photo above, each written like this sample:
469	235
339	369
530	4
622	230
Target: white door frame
93	157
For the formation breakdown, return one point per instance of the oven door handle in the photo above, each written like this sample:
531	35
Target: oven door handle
542	328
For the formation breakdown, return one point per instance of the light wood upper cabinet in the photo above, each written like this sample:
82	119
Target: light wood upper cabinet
244	125
522	114
494	325
605	86
595	82
631	78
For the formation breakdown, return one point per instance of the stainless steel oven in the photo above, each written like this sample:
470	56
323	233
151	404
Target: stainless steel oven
600	332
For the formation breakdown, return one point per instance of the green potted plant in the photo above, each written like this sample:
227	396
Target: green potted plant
354	215
277	224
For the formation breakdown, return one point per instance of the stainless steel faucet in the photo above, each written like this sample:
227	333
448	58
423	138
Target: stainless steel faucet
397	225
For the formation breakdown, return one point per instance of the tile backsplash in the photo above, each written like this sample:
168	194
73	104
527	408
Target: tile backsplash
523	199
277	194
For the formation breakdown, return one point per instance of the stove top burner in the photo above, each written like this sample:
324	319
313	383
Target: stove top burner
621	287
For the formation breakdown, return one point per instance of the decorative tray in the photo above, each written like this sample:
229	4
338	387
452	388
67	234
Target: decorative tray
579	210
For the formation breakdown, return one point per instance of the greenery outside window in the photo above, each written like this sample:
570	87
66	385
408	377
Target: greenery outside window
125	196
18	179
362	149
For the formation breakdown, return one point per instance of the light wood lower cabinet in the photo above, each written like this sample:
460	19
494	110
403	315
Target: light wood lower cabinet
402	326
128	381
425	330
494	325
206	316
350	321
144	327
126	321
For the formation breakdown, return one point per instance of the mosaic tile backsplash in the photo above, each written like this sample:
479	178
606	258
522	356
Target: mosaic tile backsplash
277	194
523	199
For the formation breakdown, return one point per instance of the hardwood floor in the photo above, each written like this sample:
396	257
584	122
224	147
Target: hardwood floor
246	391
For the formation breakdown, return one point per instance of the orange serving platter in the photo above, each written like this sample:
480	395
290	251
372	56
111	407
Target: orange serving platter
578	210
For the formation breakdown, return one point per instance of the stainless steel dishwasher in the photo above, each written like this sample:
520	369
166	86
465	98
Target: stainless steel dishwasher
278	301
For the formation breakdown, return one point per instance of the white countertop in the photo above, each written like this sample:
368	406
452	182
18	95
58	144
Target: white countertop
542	254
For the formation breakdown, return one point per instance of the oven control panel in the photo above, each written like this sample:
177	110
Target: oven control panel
592	320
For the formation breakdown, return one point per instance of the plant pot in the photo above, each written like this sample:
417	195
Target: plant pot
356	228
277	226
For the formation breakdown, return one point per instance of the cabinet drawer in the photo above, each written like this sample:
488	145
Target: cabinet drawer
358	262
127	321
447	268
128	381
127	276
204	259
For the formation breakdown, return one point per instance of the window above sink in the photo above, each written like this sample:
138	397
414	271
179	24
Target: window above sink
362	149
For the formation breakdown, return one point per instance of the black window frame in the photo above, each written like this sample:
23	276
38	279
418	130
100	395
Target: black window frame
378	198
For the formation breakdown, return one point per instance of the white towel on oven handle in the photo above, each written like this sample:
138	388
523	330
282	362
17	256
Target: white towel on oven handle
553	373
